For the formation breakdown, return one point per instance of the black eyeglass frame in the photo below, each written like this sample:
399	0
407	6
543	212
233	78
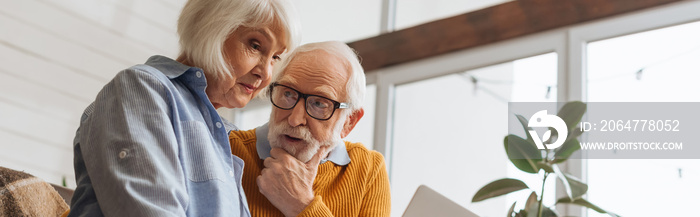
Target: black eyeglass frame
336	104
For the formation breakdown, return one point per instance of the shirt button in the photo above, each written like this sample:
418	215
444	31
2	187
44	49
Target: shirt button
230	172
122	154
218	124
199	74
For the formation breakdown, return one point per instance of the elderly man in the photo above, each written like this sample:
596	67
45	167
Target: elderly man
297	164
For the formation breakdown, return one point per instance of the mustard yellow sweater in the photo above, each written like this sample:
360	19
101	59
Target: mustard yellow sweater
360	188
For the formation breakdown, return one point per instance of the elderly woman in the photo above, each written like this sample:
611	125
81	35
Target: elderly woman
152	143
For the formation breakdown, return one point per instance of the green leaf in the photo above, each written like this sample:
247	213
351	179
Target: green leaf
522	154
498	188
524	121
576	132
574	188
578	188
547	212
510	211
531	205
571	113
563	153
585	203
546	167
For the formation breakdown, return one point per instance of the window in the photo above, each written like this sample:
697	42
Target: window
448	131
653	66
364	130
338	20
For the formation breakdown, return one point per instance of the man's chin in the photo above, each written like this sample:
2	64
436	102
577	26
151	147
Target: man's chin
302	152
306	154
286	147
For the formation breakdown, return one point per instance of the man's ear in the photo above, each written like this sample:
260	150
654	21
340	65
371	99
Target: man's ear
351	121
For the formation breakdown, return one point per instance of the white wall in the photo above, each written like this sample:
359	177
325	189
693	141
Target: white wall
54	58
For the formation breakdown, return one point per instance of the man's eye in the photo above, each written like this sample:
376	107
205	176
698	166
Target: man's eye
319	104
276	57
289	94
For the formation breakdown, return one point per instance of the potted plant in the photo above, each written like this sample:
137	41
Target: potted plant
525	156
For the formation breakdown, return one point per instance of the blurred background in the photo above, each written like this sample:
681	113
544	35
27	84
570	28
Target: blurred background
438	121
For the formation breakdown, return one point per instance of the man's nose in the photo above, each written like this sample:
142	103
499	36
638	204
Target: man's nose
298	116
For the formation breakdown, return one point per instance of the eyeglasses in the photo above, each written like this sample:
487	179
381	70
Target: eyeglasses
318	107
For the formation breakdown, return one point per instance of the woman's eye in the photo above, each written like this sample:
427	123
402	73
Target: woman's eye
276	57
255	46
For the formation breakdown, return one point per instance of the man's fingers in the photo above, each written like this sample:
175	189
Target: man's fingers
277	153
262	185
267	162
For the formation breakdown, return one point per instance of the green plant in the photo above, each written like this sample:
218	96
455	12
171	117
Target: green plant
525	156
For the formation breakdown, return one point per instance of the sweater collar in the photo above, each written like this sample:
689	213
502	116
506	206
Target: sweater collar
339	154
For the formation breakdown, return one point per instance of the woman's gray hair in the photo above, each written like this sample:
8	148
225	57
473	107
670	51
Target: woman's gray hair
204	26
356	85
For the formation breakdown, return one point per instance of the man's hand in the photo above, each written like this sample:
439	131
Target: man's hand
287	182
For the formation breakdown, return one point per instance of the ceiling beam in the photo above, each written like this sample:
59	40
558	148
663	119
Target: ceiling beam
501	22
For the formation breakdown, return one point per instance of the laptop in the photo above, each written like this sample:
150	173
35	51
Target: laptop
428	202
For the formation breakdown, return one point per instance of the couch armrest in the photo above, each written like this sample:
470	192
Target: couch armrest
66	193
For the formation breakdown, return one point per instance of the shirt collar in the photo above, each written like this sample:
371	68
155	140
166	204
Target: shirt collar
339	154
229	126
169	67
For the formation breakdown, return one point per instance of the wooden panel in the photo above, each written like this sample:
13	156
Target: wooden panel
40	99
489	25
45	73
59	51
37	144
54	58
160	13
172	3
42	128
63	25
123	23
35	154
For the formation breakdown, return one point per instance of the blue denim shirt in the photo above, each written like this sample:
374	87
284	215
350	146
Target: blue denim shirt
152	144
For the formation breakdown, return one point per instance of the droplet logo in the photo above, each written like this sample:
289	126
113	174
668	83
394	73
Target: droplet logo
542	119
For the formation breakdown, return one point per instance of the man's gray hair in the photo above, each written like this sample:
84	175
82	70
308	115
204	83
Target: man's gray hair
204	26
355	86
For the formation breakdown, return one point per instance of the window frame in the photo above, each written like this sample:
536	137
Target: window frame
569	43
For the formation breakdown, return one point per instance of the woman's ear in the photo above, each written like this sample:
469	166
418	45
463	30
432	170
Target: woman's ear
351	121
